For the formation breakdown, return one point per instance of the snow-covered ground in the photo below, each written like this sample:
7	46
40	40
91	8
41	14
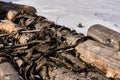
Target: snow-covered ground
72	12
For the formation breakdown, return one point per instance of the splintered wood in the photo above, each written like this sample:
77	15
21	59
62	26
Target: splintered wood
105	58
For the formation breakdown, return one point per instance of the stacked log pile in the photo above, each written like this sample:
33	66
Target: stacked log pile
34	48
103	50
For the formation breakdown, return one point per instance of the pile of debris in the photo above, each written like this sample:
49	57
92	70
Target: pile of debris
34	48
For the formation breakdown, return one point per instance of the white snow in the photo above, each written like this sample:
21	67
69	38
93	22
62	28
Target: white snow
72	12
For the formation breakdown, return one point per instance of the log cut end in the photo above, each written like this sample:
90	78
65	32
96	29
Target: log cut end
8	26
11	14
7	72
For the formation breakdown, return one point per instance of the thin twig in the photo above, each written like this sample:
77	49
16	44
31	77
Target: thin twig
4	35
22	45
30	31
23	32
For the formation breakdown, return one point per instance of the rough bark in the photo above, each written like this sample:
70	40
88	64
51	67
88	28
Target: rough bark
65	74
105	35
17	7
67	35
8	26
11	27
52	56
7	72
105	58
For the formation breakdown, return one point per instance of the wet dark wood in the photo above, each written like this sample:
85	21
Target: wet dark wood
105	58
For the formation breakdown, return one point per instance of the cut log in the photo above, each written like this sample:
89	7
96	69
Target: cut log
17	7
7	72
105	58
11	14
8	26
105	35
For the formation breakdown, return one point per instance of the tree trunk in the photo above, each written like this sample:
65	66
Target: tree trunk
105	58
105	35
